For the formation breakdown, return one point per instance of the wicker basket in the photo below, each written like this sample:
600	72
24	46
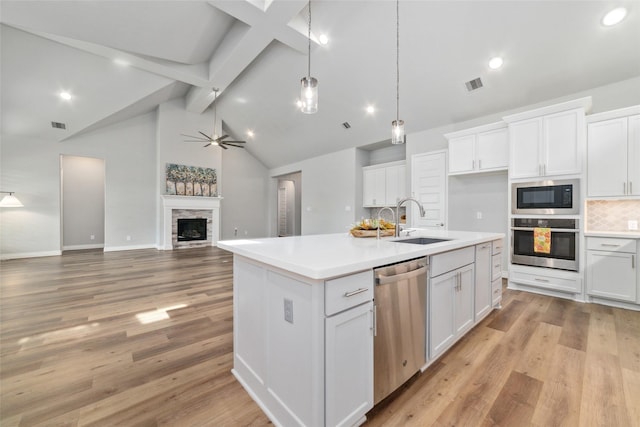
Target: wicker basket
373	233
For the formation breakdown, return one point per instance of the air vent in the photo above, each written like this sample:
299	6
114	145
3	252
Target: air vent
58	125
346	125
474	84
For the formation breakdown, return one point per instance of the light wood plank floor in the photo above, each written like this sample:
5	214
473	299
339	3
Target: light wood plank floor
144	338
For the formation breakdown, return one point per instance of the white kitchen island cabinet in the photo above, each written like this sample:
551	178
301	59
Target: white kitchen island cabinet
303	313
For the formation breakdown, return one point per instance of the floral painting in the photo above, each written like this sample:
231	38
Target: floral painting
191	181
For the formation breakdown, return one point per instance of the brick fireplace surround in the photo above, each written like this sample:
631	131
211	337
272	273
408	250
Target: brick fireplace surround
175	207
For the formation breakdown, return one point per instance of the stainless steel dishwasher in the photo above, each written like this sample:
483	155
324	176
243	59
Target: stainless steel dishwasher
400	301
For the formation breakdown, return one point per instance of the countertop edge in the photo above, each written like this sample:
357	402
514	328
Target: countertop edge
350	267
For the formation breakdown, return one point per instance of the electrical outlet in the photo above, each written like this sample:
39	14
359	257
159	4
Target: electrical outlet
478	215
92	237
288	310
235	231
128	238
632	224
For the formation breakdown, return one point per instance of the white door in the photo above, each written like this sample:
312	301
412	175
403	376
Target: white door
429	186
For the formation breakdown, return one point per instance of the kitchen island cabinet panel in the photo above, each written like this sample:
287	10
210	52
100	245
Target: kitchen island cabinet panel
349	352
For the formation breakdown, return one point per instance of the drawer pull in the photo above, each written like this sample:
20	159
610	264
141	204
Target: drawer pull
496	290
541	280
611	245
356	292
497	266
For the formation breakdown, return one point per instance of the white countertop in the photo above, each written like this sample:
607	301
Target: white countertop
621	234
324	256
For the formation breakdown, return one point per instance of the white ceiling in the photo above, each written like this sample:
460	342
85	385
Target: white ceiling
255	52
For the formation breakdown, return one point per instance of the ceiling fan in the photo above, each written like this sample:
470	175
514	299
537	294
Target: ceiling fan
220	141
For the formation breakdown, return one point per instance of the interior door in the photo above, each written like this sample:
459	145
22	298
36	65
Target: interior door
429	186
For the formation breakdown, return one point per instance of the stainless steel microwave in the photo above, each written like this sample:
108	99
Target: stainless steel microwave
552	197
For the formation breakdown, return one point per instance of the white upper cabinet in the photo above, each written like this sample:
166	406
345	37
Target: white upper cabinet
480	149
383	185
549	141
613	154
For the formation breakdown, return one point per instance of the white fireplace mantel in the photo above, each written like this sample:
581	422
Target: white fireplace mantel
170	202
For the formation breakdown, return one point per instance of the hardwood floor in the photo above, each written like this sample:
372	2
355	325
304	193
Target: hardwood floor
144	338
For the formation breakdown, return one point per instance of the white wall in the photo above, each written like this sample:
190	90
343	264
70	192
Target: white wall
328	192
82	202
244	203
31	167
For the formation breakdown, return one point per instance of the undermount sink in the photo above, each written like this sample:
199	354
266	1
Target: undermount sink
421	240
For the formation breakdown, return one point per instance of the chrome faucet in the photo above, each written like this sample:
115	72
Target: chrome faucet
379	218
398	211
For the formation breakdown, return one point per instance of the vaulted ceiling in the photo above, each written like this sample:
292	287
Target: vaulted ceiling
122	58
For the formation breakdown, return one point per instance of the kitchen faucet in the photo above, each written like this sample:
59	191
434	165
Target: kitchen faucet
398	211
379	218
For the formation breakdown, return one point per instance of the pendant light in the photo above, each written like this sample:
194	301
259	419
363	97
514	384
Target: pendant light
397	126
10	201
309	85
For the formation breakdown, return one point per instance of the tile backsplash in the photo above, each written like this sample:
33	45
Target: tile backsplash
611	215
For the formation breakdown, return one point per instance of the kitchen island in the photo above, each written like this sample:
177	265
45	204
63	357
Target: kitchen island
304	315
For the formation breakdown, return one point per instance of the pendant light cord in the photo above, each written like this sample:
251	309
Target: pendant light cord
397	60
215	112
309	39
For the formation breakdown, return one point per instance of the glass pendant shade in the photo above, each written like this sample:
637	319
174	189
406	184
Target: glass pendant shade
397	132
309	95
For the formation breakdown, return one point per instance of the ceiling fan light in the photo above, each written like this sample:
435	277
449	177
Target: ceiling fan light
397	132
309	95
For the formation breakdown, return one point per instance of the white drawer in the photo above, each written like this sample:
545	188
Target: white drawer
496	291
496	266
448	261
547	281
348	291
611	244
496	247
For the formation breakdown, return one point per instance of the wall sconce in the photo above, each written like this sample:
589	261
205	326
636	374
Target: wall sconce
10	201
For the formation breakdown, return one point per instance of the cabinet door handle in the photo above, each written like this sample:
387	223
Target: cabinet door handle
479	164
624	188
541	280
473	164
375	320
356	292
630	187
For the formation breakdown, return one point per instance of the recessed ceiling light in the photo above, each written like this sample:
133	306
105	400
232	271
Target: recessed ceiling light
65	95
614	17
298	103
250	133
122	62
495	63
371	109
324	39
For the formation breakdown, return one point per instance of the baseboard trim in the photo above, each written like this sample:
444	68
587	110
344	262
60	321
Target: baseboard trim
82	247
129	248
4	257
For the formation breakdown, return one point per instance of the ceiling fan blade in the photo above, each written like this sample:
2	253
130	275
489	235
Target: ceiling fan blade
220	138
195	137
206	136
211	143
222	146
234	142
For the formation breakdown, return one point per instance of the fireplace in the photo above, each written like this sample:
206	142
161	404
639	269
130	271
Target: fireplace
192	229
202	209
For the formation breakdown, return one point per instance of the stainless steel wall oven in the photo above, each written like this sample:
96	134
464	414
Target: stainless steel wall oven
562	250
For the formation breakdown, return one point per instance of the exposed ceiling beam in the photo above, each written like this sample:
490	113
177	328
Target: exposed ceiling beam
254	31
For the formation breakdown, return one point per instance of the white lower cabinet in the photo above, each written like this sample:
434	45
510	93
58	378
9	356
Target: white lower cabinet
349	365
451	298
483	300
612	268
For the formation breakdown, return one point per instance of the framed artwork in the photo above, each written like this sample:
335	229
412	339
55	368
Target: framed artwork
191	181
